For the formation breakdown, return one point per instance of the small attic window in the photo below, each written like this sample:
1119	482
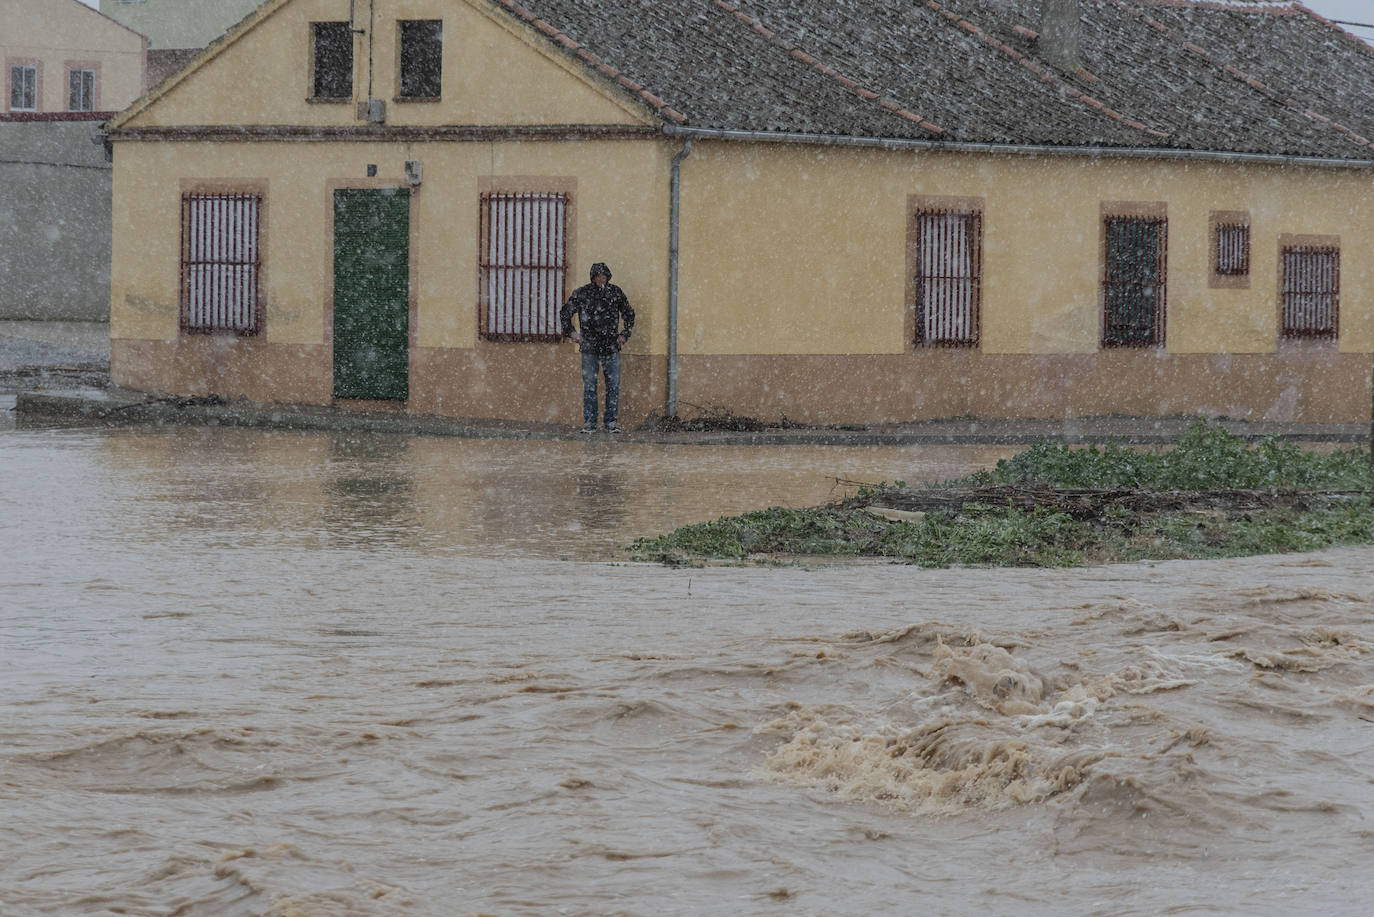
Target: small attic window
422	54
331	62
1233	249
1229	245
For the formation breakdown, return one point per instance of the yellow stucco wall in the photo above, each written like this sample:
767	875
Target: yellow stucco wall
621	207
56	36
794	273
493	73
801	249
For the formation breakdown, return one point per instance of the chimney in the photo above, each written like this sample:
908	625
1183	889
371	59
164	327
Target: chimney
1059	32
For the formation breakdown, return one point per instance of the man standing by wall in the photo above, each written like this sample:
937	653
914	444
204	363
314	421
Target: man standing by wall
600	307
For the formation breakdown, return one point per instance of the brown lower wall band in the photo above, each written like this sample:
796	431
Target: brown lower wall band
542	382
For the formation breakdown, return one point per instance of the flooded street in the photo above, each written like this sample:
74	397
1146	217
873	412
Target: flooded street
275	673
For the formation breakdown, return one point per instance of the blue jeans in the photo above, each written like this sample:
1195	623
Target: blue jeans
609	366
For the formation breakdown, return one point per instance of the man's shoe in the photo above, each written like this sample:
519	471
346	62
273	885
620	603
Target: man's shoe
613	428
589	428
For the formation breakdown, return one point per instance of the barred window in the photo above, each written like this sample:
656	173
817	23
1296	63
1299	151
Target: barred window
81	90
1133	286
523	267
949	264
221	263
1311	291
1233	249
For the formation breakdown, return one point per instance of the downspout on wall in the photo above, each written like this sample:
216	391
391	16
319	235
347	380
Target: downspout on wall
674	217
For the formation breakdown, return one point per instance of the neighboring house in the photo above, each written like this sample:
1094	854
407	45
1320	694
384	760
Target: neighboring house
858	212
66	68
177	29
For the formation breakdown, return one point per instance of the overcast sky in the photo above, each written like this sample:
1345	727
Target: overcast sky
1352	10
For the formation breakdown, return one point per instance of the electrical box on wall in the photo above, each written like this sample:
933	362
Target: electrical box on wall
414	171
376	111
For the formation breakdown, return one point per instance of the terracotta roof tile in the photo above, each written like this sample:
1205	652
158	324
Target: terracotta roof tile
1188	74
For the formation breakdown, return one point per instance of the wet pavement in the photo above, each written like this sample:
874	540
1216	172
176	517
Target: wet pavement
263	671
335	671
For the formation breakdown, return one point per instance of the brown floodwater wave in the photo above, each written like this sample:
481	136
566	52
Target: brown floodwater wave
234	685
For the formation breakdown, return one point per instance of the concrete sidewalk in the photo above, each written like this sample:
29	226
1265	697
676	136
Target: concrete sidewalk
123	407
28	346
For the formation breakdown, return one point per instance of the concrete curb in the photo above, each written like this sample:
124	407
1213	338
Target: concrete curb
119	407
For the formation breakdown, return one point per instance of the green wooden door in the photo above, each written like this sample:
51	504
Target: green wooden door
371	293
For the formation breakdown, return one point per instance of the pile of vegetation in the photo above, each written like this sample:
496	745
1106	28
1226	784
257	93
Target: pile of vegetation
1211	495
714	420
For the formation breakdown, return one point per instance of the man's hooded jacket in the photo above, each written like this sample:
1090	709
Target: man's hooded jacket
599	311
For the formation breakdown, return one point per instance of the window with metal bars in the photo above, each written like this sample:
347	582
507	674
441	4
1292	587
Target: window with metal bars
1233	249
523	265
1310	298
1133	285
332	60
81	90
422	58
948	282
23	88
221	263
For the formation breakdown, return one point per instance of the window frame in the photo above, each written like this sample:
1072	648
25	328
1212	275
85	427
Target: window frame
530	326
348	68
93	70
1142	213
16	64
402	25
1314	244
255	290
971	210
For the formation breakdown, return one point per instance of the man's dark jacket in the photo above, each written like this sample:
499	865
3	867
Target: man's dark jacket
599	311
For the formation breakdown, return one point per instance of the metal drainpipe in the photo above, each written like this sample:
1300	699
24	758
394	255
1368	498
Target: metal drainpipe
672	275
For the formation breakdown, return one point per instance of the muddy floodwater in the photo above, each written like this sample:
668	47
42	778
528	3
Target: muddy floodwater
275	673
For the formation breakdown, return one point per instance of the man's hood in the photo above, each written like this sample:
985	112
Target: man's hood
600	268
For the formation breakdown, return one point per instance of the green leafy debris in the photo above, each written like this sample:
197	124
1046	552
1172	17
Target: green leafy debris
1319	498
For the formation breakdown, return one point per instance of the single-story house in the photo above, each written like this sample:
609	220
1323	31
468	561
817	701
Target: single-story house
840	211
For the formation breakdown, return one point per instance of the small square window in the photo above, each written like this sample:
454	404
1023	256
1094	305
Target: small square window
1233	249
422	53
332	60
